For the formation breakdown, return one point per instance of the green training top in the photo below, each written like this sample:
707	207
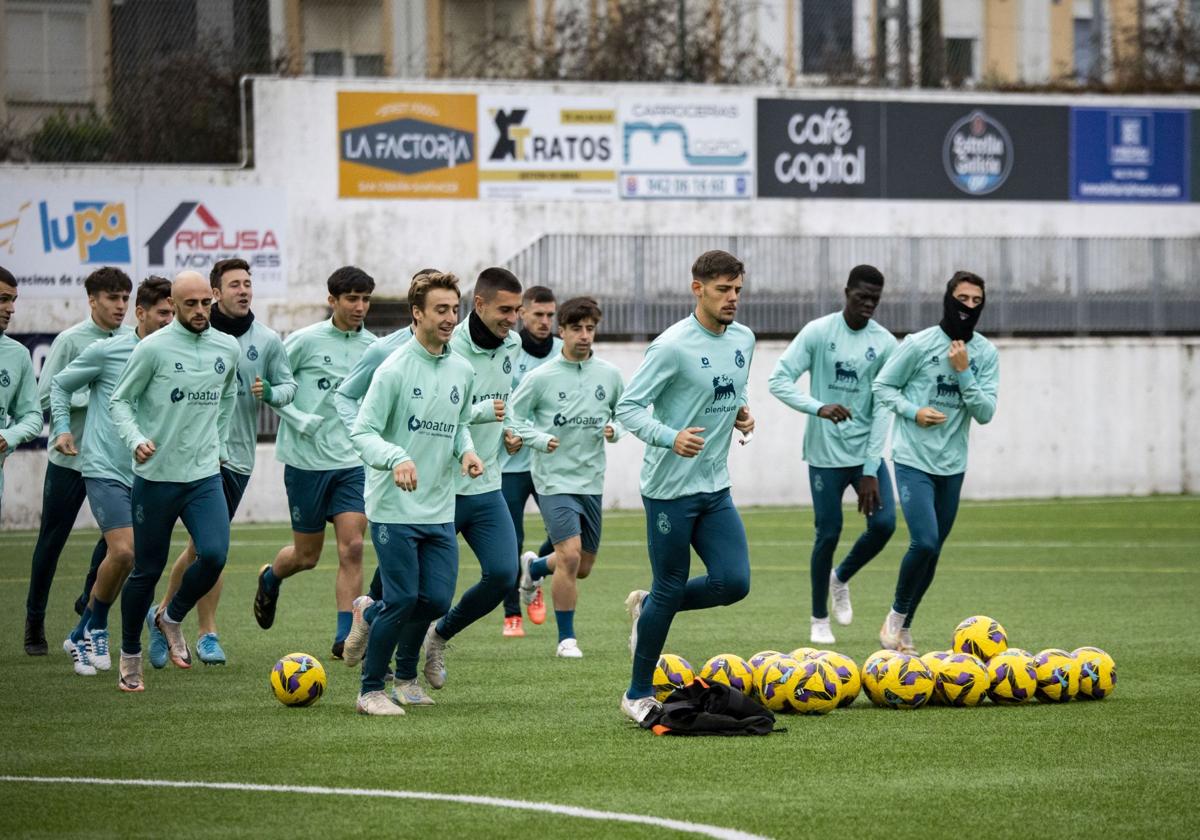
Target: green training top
691	377
20	411
67	345
311	436
919	375
261	356
571	401
353	388
178	390
102	453
493	381
526	363
842	364
417	408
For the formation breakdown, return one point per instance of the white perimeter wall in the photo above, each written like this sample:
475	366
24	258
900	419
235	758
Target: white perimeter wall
1077	417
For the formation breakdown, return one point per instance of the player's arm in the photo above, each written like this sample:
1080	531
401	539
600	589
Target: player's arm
25	409
979	390
279	388
136	376
226	407
881	423
366	436
794	363
522	411
348	395
79	374
463	442
616	390
301	421
56	360
888	387
648	382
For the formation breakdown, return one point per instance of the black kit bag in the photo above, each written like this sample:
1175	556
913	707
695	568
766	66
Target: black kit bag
701	708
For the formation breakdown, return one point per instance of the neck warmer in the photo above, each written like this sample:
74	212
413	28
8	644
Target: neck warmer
538	349
958	320
484	338
235	327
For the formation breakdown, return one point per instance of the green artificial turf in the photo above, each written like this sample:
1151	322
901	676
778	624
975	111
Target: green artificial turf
515	722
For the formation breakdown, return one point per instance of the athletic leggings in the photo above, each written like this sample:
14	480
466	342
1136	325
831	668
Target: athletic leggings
485	524
930	504
156	505
710	523
63	493
517	487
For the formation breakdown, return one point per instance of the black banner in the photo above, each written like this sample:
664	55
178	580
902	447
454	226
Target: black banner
819	149
965	152
38	345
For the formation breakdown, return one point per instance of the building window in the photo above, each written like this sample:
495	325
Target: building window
826	36
368	65
47	52
960	60
328	63
1085	49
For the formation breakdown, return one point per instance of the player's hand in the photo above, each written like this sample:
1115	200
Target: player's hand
609	433
688	442
257	388
405	476
498	405
834	413
552	444
959	360
927	417
512	443
868	495
65	443
744	422
3	445
144	452
471	465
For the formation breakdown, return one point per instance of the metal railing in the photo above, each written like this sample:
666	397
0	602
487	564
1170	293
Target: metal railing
1036	286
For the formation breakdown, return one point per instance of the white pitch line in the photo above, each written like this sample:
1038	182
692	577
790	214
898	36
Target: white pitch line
460	799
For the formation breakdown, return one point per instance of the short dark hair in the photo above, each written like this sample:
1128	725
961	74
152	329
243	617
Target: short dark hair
537	294
865	274
350	279
151	290
495	279
221	266
421	284
713	264
6	277
965	277
578	308
107	279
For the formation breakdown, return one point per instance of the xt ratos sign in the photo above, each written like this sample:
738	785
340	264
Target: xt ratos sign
818	149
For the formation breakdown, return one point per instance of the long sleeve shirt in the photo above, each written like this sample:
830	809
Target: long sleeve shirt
688	377
178	390
350	392
526	363
493	381
417	408
66	346
20	411
841	363
919	375
571	401
262	356
311	436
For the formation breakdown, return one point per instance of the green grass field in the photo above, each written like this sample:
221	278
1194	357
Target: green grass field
514	722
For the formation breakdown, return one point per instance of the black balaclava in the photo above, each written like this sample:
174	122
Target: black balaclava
958	319
538	348
484	338
235	327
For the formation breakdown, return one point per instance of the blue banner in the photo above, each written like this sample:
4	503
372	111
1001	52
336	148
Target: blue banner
1130	154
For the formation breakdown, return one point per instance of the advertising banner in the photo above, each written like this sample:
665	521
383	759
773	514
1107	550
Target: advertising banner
547	147
963	151
819	149
685	148
406	145
52	238
1129	154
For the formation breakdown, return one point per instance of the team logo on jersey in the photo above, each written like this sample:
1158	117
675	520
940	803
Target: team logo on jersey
295	513
219	365
560	420
413	423
723	388
905	494
417	395
5	380
252	353
178	366
947	386
139	514
381	535
935	360
704	362
521	367
739	359
833	345
176	395
871	354
454	398
843	372
818	484
507	365
328	360
562	395
600	395
323	383
663	523
974	368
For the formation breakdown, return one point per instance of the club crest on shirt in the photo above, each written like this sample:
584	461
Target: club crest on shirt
454	398
178	367
871	354
219	365
663	523
704	362
252	353
974	368
562	395
739	359
328	360
600	395
5	379
507	365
